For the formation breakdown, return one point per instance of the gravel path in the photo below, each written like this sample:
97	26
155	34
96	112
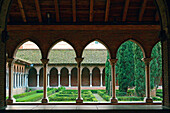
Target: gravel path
98	97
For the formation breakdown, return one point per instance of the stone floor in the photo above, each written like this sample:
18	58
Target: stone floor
86	107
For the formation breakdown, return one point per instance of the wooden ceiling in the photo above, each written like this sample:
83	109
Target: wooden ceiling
83	11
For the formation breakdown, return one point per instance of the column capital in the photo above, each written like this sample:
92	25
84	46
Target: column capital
44	61
79	60
113	61
146	60
10	60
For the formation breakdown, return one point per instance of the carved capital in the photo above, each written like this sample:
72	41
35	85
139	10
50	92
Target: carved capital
44	61
146	60
113	61
79	60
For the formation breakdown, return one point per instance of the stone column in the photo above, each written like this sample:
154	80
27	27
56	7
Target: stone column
59	79
147	99
113	63
27	80
79	60
90	78
45	62
101	85
10	99
48	80
69	79
15	79
19	80
38	75
22	80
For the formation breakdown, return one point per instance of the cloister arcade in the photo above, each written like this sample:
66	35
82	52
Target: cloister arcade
45	36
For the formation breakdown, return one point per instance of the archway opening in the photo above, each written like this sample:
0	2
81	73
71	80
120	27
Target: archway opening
156	73
63	73
93	73
25	73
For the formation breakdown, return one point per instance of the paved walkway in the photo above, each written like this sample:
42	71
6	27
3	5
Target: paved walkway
98	97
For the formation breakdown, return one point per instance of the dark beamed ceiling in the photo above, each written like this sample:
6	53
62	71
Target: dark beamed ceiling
83	11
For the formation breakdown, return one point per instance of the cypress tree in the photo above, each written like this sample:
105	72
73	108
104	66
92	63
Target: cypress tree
156	66
139	71
125	66
107	74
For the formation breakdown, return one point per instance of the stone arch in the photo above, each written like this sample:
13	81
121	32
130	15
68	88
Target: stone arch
32	77
53	77
64	77
106	46
21	43
136	42
41	77
103	77
96	76
85	77
74	77
56	42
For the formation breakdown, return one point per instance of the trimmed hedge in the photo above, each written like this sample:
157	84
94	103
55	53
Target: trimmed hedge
31	98
104	96
127	98
24	94
71	95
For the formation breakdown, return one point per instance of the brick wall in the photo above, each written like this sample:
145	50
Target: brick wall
2	74
64	77
32	78
96	77
54	77
74	77
85	77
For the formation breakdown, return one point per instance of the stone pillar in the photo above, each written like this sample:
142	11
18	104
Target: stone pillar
22	80
38	75
45	62
48	80
69	79
90	79
15	79
101	85
59	79
79	60
147	99
27	80
10	99
20	75
113	63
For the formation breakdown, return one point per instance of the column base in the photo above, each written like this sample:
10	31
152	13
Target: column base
10	101
90	85
44	100
114	100
148	100
79	100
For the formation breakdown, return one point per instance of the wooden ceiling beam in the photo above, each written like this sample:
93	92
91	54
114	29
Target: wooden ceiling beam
142	10
107	10
74	10
22	10
157	16
57	10
81	27
91	10
37	5
125	10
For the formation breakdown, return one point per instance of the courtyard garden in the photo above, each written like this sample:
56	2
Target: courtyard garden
62	95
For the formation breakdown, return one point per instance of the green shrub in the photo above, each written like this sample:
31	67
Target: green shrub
121	93
24	94
39	91
30	98
157	99
159	95
127	98
159	91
